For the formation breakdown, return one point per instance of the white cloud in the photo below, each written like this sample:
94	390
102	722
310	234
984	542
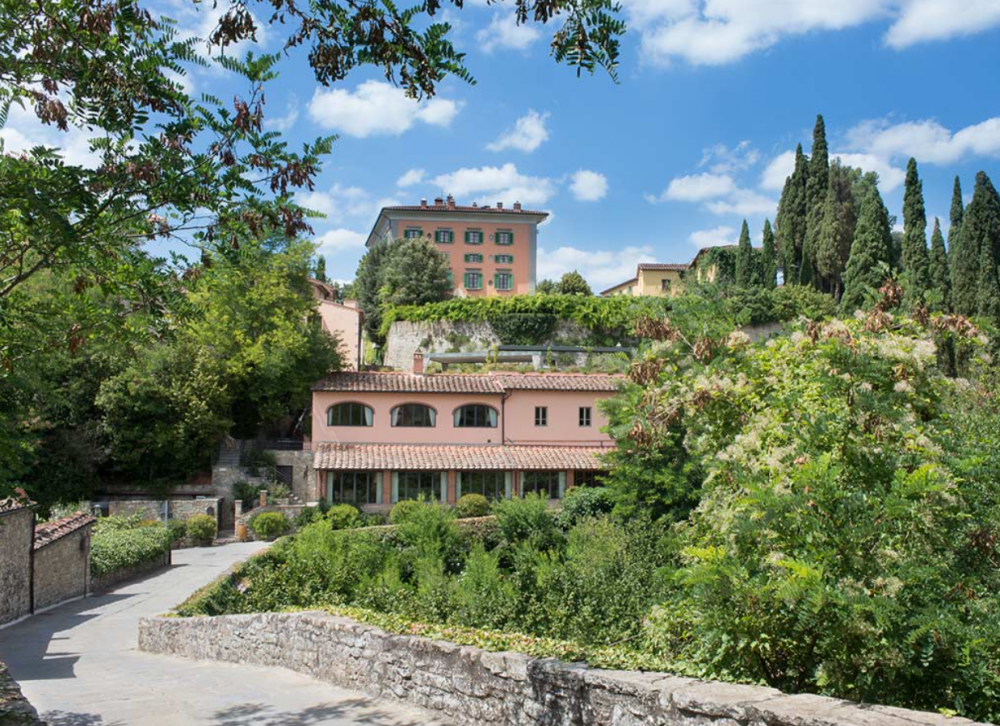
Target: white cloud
696	188
284	123
377	108
721	159
336	241
24	131
743	202
344	202
589	186
528	134
601	268
777	170
715	32
496	183
926	140
925	20
714	237
503	32
411	177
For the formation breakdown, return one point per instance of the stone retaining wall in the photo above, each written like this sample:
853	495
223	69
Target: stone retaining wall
110	579
471	686
15	710
16	534
62	569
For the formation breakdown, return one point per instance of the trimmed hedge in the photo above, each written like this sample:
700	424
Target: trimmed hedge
115	548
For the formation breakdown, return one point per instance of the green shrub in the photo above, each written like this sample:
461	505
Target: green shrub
201	528
343	516
115	546
402	511
526	519
178	529
247	493
278	490
306	516
269	525
472	505
582	502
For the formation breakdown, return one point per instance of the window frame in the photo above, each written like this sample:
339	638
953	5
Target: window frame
446	231
373	485
586	417
494	490
407	230
510	237
495	418
541	420
363	406
503	259
589	477
477	255
551	488
496	280
465	279
402	485
470	232
413	404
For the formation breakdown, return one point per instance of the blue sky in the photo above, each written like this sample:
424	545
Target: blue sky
713	96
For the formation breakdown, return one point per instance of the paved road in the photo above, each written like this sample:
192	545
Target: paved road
78	664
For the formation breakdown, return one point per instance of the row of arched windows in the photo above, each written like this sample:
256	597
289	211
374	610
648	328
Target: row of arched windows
471	415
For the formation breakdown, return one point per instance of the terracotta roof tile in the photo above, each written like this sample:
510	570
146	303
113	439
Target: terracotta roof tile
559	381
368	382
676	267
462	208
49	532
13	504
420	457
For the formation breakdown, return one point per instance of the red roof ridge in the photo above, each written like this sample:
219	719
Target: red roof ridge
49	532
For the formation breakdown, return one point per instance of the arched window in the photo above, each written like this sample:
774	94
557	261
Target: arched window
475	416
414	414
349	414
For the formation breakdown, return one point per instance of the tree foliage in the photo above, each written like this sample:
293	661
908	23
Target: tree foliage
836	233
939	272
913	258
572	283
792	217
871	252
744	258
769	257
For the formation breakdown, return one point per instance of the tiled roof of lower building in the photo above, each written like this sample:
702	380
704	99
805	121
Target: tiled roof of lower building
559	381
495	383
13	504
433	457
669	266
49	532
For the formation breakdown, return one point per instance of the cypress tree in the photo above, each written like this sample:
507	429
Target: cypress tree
955	237
980	226
913	258
819	178
940	276
321	268
988	288
836	233
791	219
769	258
744	258
871	251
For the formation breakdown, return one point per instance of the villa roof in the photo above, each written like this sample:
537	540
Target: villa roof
475	383
14	504
470	457
464	209
669	266
48	532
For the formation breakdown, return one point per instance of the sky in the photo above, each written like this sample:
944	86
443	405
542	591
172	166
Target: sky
697	135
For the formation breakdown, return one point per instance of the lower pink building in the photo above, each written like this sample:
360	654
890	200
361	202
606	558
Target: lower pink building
379	438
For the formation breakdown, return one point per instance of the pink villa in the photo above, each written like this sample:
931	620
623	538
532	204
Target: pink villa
342	318
379	438
491	250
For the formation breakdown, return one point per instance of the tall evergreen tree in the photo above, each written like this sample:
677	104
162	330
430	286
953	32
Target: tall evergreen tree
321	268
871	251
836	234
940	276
955	236
980	225
769	258
988	287
744	258
791	219
914	250
819	180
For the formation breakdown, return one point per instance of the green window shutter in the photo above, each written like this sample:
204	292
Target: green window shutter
466	236
451	236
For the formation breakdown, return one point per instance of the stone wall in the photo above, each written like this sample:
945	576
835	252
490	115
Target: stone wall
471	686
291	511
16	534
62	569
14	707
176	508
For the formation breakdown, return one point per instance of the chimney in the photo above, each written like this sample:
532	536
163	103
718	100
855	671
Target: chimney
423	202
418	363
438	202
499	205
451	202
517	206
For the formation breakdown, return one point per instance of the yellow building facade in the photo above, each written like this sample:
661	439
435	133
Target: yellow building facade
651	278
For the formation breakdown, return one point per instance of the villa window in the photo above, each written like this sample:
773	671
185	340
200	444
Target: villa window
349	414
413	233
414	415
504	259
473	257
541	415
418	485
665	285
586	416
473	237
473	280
588	478
504	237
444	236
491	484
504	281
352	487
544	483
475	416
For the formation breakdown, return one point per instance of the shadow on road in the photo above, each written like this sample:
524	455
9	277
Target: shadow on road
357	711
